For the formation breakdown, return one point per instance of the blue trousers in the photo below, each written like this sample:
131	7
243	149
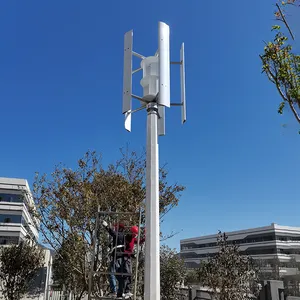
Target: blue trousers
112	277
120	265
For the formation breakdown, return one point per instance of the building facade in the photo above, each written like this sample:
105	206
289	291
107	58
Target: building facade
16	219
265	243
18	223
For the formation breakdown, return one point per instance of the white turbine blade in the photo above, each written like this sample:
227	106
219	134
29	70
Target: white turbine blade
127	122
127	72
164	64
182	83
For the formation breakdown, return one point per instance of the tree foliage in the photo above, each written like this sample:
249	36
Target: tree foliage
268	269
172	272
291	286
230	275
67	202
19	265
271	270
282	65
292	283
67	265
191	277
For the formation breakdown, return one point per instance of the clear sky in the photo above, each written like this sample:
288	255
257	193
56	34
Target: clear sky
61	90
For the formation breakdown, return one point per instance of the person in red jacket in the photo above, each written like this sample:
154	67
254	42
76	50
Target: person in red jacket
125	283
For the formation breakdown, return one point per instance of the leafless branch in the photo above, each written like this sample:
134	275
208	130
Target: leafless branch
268	72
291	104
284	21
166	237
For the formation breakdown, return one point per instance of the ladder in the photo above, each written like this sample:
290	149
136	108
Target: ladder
101	215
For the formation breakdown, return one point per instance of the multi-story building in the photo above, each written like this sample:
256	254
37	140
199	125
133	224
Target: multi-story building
265	243
18	223
16	219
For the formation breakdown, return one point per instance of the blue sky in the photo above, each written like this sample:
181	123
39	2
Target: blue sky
61	87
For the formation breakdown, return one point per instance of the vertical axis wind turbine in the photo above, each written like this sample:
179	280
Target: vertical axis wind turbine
156	97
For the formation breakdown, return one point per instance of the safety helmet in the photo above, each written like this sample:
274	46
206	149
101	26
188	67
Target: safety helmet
119	226
134	229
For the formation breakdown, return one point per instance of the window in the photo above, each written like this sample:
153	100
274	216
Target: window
257	239
6	240
197	246
14	198
17	198
287	238
195	255
259	251
247	240
289	251
23	221
6	218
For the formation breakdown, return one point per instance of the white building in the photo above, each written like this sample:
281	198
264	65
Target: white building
17	223
16	219
265	243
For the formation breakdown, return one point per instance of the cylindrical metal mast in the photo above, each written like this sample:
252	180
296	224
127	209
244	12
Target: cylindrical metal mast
152	258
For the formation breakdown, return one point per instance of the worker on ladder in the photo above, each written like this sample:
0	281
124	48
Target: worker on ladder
121	254
116	256
126	281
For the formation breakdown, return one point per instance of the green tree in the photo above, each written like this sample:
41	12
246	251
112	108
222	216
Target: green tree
230	275
268	269
191	277
67	203
67	265
19	265
282	65
172	272
291	286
